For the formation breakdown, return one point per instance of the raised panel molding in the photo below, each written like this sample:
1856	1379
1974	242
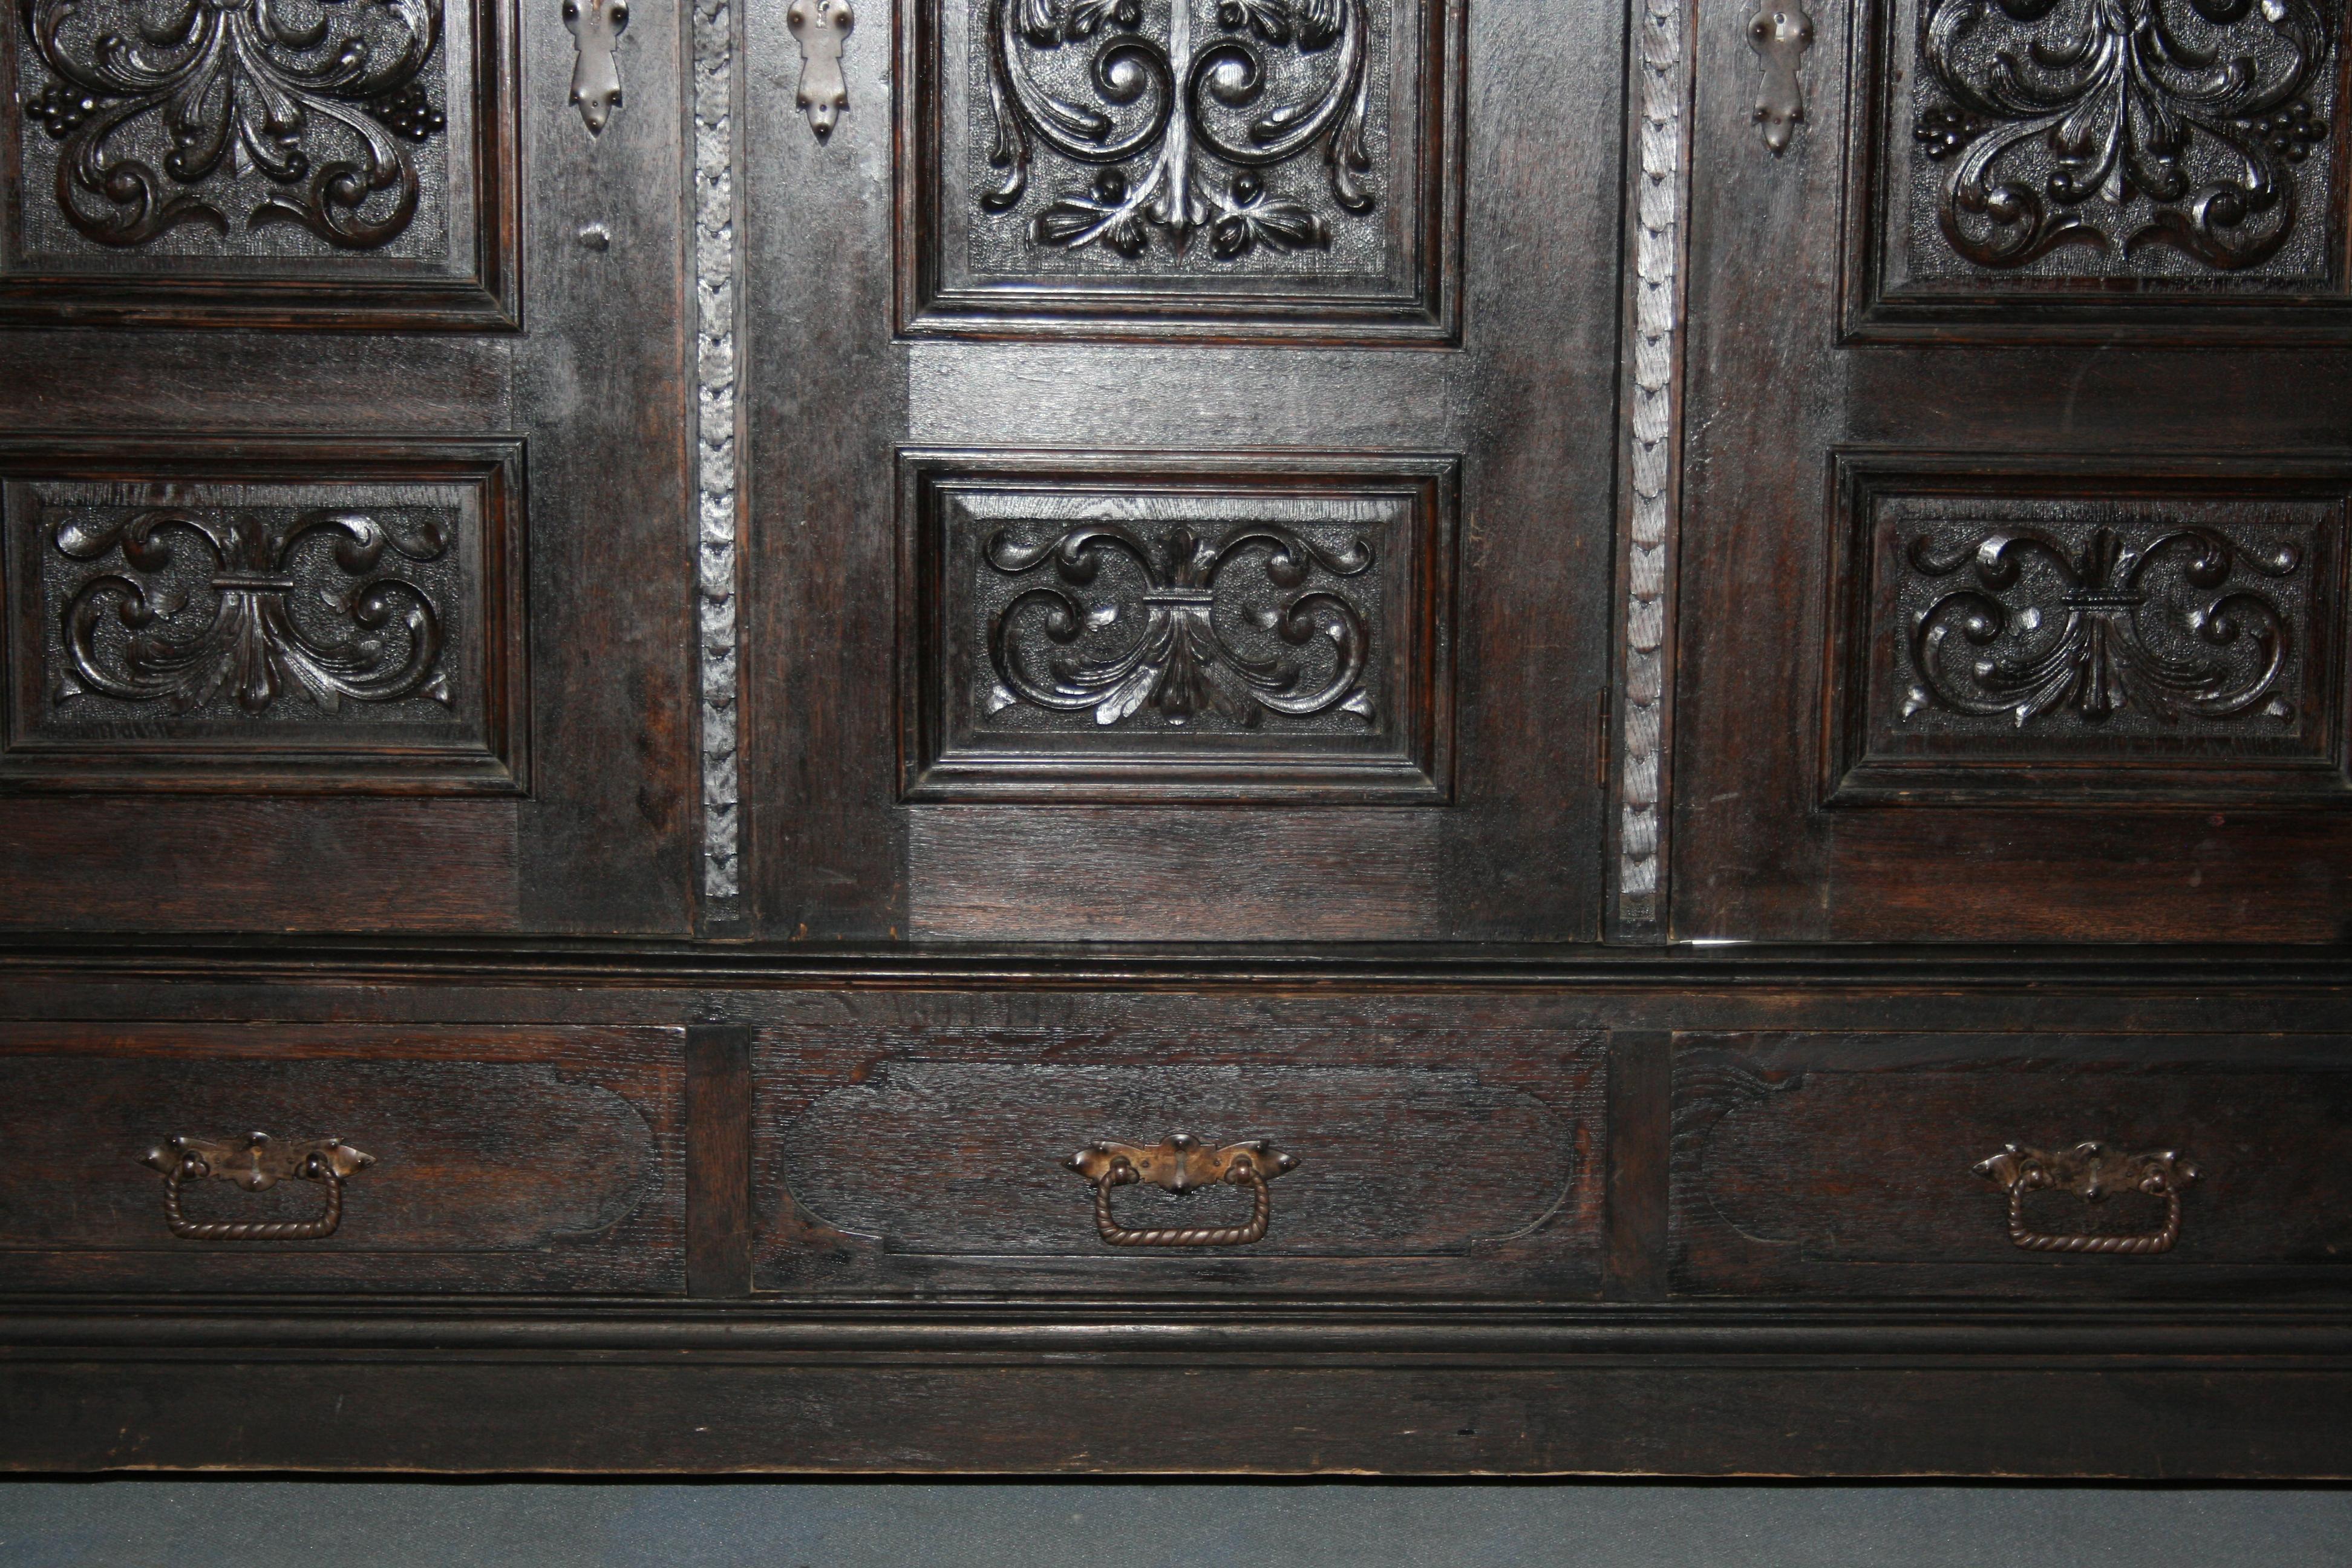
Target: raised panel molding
2075	630
260	163
1260	168
1219	628
255	617
2060	168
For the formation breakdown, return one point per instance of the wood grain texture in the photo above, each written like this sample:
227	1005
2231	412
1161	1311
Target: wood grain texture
1524	405
734	1414
1773	397
1844	1164
718	1160
504	1159
904	1157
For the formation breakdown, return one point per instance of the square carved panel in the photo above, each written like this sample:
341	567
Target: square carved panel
1227	627
260	162
1250	168
279	617
2055	168
2061	632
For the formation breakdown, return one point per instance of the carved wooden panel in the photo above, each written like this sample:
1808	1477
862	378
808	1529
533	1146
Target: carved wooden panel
1850	1164
2040	166
930	1156
1181	628
2063	634
1280	168
260	162
259	618
501	1157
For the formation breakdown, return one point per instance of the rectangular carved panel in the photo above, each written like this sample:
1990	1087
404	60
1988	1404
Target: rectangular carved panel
2061	634
481	1158
1204	627
258	618
1264	168
1424	1159
1881	1164
2173	166
260	161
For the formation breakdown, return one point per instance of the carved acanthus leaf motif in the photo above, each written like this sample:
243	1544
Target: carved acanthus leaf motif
2201	106
2085	629
316	95
1180	662
1179	134
248	645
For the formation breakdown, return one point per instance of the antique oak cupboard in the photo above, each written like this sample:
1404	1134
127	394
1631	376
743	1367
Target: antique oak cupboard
1278	735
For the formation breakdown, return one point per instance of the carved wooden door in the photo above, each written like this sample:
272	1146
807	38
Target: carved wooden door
346	582
1179	440
2013	593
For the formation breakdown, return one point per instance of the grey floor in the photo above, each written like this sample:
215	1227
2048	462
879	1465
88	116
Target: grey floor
306	1525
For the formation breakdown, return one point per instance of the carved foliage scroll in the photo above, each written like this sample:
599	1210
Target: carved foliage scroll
2071	643
1228	633
2164	137
2066	168
249	159
211	634
1277	162
238	116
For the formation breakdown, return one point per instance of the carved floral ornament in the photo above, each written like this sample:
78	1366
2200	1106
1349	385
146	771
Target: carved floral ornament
249	645
1178	661
1181	128
2090	629
2121	125
318	95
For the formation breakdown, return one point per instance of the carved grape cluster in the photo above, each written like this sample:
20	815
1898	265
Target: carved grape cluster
2291	132
408	113
61	109
1943	131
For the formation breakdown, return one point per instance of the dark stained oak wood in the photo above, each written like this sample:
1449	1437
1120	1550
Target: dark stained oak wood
718	1160
503	1159
1846	1164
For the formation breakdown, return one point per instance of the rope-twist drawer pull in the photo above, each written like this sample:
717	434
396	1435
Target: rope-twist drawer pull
1179	1164
2090	1171
257	1166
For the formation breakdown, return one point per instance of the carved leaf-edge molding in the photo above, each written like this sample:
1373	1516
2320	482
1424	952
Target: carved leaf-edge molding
320	105
1180	662
2116	100
1165	100
1989	649
715	443
251	647
1654	444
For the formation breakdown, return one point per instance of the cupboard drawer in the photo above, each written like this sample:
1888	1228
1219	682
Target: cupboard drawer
1426	1160
1883	1164
473	1158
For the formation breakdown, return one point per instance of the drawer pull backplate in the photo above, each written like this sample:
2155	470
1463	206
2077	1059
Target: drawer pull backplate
2089	1171
258	1165
1181	1164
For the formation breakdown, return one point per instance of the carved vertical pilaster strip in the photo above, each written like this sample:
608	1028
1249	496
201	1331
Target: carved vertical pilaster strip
1661	152
714	286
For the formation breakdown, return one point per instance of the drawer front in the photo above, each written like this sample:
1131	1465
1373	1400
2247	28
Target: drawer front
475	1159
1917	1164
912	1156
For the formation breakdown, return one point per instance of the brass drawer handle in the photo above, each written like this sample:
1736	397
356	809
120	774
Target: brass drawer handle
2090	1171
1181	1165
256	1167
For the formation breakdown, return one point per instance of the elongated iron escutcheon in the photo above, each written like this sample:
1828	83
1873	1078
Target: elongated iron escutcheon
822	28
1780	32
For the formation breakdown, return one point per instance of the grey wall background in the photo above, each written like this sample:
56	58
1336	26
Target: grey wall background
139	1523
